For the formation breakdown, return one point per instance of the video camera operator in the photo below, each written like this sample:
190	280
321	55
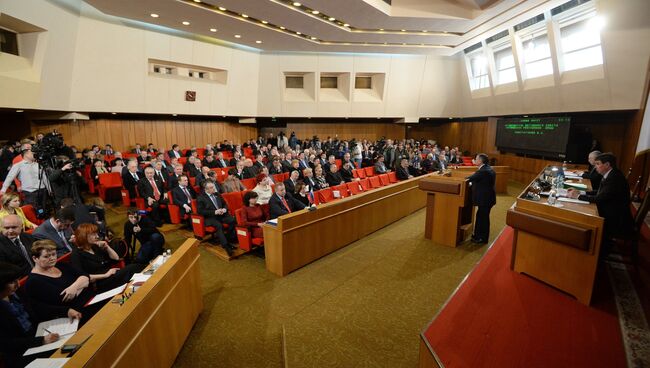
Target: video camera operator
28	171
65	180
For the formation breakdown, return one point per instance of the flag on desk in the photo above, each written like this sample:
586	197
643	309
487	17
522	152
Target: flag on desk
643	145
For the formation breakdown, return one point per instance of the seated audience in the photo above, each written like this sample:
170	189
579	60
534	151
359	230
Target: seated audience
173	179
183	195
131	177
215	211
281	204
220	161
143	229
403	170
58	290
232	183
15	246
321	182
346	172
118	165
334	176
18	322
290	184
380	166
11	206
154	195
58	229
308	179
253	214
303	194
95	257
98	168
262	189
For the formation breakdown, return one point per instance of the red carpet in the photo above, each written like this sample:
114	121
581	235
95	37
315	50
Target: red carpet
499	318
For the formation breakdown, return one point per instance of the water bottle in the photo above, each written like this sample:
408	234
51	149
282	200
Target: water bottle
551	197
164	255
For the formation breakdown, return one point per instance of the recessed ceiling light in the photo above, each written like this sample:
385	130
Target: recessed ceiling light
425	31
174	114
244	16
154	15
315	12
403	30
282	27
332	19
381	29
346	25
113	113
213	29
222	8
297	4
298	33
237	36
265	22
20	110
313	38
197	1
186	23
258	41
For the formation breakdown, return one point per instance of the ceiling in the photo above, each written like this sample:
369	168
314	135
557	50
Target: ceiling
441	27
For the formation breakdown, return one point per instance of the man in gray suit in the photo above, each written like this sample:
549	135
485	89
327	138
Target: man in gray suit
58	229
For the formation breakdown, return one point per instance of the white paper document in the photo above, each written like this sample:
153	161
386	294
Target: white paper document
140	277
571	200
61	326
272	221
48	363
106	295
47	347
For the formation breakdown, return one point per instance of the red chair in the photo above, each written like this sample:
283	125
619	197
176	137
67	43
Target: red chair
392	177
286	176
354	187
365	184
234	200
175	211
244	235
325	195
316	197
182	160
30	214
249	183
370	171
342	189
90	180
383	179
109	183
361	173
126	198
374	182
339	162
278	178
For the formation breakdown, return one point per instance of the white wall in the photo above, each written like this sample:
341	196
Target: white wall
95	63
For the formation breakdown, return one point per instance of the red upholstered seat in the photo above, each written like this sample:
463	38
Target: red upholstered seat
383	179
249	183
244	235
370	170
354	187
109	185
365	184
325	195
361	173
30	214
278	178
374	182
342	189
234	200
392	177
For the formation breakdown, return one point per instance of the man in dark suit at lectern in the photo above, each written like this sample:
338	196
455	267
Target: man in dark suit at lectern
483	196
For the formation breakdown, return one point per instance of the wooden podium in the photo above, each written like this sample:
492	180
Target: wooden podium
449	209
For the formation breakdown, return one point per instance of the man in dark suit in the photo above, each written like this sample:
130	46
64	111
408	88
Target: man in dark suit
281	204
173	179
380	166
174	152
221	163
483	196
161	175
210	162
130	177
593	174
333	177
58	229
183	195
153	193
402	171
612	199
290	184
215	211
15	247
308	178
137	149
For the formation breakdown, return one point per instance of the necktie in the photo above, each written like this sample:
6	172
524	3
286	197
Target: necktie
161	176
135	176
65	241
23	251
189	197
214	201
286	205
156	193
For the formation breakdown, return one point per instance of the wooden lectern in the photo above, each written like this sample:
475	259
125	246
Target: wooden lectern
449	209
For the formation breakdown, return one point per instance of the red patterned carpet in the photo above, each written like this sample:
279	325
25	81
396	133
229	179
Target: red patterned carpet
499	318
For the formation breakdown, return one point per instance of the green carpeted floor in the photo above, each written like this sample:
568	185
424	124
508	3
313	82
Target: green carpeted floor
362	306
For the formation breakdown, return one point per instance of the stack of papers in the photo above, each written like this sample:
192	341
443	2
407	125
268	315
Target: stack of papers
48	363
571	200
62	326
106	295
140	277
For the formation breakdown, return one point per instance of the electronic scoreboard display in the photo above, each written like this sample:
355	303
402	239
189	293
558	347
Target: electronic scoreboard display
539	136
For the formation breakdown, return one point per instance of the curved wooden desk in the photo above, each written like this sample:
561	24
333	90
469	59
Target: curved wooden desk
150	328
304	236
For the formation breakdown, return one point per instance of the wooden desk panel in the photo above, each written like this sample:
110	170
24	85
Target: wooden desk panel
304	236
150	328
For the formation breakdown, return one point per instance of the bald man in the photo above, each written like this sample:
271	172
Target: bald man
14	245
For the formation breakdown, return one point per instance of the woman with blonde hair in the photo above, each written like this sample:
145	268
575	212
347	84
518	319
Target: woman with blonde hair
11	206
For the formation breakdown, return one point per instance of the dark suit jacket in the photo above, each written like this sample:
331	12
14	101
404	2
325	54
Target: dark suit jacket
47	231
13	340
146	190
594	177
232	162
483	193
129	182
276	208
334	178
10	253
402	173
171	154
173	181
206	208
381	169
180	198
313	184
221	164
613	202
